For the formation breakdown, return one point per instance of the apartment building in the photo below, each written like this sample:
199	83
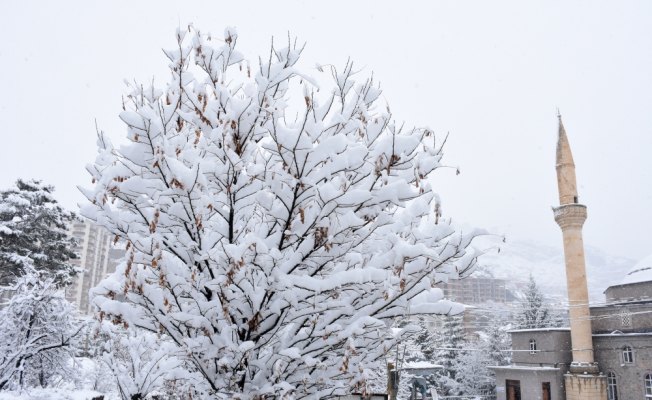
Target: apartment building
97	258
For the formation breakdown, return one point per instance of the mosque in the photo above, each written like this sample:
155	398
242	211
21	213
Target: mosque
606	353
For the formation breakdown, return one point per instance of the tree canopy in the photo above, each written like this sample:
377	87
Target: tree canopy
275	225
34	233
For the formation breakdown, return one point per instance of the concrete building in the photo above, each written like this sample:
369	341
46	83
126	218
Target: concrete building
490	295
474	290
607	351
97	258
540	359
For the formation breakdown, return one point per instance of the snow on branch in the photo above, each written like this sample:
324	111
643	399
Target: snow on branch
270	238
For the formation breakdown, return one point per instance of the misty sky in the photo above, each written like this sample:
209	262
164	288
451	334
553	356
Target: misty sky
491	73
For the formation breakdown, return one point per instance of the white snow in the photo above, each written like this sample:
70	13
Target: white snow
53	394
641	272
526	368
622	334
539	330
421	365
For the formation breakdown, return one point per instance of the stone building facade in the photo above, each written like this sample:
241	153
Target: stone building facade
622	334
540	359
622	345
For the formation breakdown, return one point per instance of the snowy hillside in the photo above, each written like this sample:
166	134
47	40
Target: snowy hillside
517	259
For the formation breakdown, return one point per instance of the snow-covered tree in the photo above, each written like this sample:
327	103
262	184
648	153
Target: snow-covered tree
417	342
425	341
473	366
535	311
37	332
272	238
451	343
417	348
473	377
33	233
496	342
140	361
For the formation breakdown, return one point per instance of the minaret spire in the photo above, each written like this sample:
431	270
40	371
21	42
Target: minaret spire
583	381
566	180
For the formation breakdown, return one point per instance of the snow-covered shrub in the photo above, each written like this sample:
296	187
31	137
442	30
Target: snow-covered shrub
37	332
271	238
94	374
140	361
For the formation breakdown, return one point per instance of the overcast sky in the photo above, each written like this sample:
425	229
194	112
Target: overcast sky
491	73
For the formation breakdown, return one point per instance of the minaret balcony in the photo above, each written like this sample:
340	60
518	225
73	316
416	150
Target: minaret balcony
570	215
584	368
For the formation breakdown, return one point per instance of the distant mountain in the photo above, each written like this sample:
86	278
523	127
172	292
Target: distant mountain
517	259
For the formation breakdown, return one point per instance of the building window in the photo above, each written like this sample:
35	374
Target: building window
612	388
628	355
533	346
625	318
648	386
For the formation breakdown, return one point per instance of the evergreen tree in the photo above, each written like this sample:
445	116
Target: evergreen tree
496	343
419	343
476	378
535	312
450	344
417	347
33	233
425	339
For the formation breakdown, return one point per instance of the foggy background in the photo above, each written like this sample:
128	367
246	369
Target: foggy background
490	73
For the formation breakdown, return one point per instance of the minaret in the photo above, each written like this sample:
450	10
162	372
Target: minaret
583	381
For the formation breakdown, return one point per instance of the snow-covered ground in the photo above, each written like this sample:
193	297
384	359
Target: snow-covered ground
93	380
54	394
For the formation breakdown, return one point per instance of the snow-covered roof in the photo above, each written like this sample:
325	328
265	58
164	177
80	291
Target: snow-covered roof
421	365
641	272
622	334
525	368
539	330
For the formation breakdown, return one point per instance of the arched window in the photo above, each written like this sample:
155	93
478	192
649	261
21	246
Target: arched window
612	387
628	355
648	386
533	346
